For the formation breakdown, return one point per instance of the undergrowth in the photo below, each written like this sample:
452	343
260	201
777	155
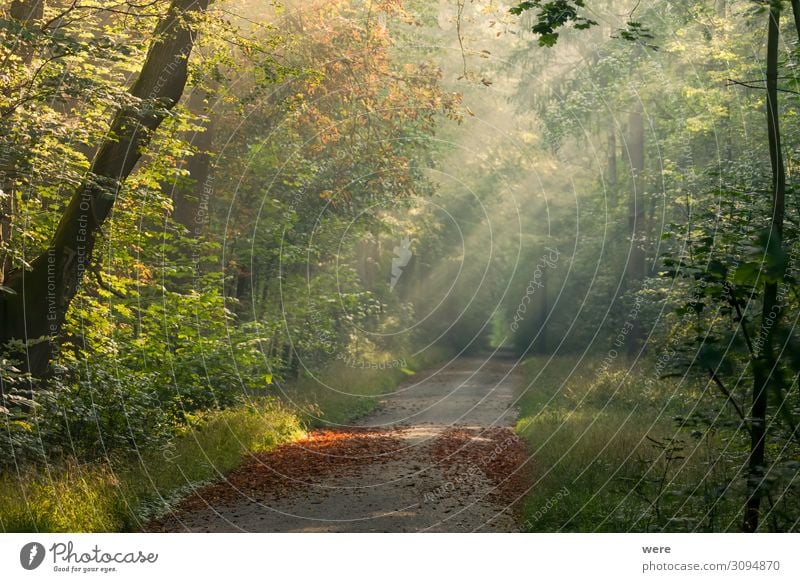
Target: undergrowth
622	449
122	489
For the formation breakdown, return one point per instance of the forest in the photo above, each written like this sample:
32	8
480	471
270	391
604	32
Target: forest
519	266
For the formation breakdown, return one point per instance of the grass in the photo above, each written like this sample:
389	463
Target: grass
350	391
608	455
121	494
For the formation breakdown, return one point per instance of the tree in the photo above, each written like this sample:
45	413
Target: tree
35	303
636	216
765	364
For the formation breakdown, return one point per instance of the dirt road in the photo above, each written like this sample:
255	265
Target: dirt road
437	455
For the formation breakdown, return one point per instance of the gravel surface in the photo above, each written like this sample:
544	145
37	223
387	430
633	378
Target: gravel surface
437	455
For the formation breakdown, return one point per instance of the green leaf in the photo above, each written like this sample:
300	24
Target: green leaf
746	273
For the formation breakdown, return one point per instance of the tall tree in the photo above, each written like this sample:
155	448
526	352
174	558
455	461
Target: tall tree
37	299
636	217
765	364
611	172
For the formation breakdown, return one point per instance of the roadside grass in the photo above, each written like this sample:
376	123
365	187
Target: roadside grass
608	454
120	494
124	492
349	390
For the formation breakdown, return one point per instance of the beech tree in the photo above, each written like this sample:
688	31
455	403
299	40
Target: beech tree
35	300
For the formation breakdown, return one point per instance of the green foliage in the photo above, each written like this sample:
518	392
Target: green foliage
251	252
122	491
122	494
553	15
242	258
615	438
710	249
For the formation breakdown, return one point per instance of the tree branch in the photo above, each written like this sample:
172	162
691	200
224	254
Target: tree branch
727	394
731	82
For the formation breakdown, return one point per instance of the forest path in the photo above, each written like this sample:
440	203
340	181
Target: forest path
437	455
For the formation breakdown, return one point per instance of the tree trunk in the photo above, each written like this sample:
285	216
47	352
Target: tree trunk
190	201
636	218
764	364
42	295
26	10
544	309
611	179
